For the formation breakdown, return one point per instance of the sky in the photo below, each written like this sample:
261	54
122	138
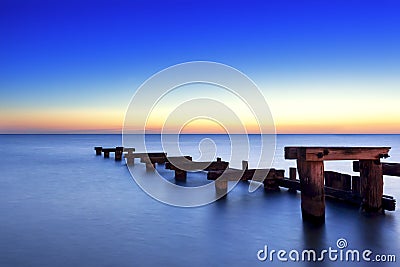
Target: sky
322	66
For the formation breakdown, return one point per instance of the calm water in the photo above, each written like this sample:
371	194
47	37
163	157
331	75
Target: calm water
60	205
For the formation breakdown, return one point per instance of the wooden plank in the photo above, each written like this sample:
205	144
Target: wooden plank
338	180
291	152
312	190
371	179
161	160
336	153
245	175
108	150
199	166
149	155
391	169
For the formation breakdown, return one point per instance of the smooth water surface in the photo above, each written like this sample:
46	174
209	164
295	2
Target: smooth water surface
60	205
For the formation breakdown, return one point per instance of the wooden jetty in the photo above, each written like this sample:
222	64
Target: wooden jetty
314	183
106	151
310	164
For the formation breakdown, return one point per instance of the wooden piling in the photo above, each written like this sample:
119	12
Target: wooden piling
371	181
128	154
180	175
312	190
98	150
245	165
271	181
118	153
355	185
221	187
106	154
292	177
150	166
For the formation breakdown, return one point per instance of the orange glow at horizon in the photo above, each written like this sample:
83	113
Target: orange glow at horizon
62	121
110	122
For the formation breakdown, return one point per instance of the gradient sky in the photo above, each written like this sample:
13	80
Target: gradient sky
323	66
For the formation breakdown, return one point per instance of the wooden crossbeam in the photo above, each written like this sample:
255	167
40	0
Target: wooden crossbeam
199	166
245	175
161	160
336	153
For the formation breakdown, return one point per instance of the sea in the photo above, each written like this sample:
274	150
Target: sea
61	205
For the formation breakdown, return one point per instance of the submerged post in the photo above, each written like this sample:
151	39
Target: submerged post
221	187
292	177
355	185
118	153
371	181
180	175
130	157
312	190
98	150
150	166
245	165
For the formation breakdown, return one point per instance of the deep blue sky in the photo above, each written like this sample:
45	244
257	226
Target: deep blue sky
57	56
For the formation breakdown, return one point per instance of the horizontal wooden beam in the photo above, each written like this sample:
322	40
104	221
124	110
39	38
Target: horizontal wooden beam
391	169
246	175
198	166
112	149
147	155
338	180
161	160
336	153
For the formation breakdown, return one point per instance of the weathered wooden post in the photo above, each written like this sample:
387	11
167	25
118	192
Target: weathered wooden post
312	190
355	185
311	171
98	150
150	166
271	181
130	158
106	153
221	187
371	179
118	153
180	175
245	165
292	177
